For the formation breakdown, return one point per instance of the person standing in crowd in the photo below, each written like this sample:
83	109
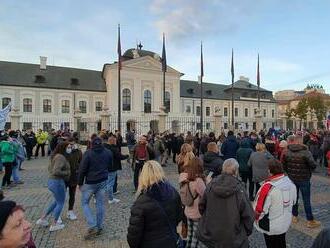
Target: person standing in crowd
283	148
74	155
92	180
314	145
298	162
30	141
270	145
258	162
245	171
8	151
131	142
19	158
189	139
230	146
21	140
15	230
159	148
194	180
212	160
156	212
41	137
186	154
273	206
116	165
326	148
59	173
142	153
197	143
227	215
90	141
50	137
119	138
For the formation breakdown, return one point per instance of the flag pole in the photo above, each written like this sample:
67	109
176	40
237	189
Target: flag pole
201	79
164	68
258	83
119	80
232	89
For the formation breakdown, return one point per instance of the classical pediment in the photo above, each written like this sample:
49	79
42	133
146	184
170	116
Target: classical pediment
147	63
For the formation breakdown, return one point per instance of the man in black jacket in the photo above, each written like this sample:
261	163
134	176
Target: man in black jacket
298	162
212	160
92	180
116	165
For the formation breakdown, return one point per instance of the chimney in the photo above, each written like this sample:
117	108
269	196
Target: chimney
242	78
43	63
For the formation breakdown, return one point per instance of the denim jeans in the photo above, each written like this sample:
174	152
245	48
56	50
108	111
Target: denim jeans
88	190
111	183
57	187
305	188
15	173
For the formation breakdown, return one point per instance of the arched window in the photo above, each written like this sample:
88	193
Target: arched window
5	102
147	101
126	100
167	102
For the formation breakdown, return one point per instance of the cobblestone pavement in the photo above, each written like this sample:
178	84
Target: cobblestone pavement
35	197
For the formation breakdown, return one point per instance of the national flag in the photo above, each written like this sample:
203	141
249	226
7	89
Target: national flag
202	65
119	48
258	74
164	63
232	67
3	116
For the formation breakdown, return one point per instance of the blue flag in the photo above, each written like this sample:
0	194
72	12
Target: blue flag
3	116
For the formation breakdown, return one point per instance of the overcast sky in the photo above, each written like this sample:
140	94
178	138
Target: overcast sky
292	36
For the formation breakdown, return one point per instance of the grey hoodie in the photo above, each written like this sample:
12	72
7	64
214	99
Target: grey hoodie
227	215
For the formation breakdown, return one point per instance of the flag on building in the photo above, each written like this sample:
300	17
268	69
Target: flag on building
119	48
3	116
164	62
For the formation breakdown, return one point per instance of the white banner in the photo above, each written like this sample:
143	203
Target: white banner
3	116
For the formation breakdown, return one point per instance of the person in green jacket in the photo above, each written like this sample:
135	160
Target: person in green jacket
8	152
41	141
243	154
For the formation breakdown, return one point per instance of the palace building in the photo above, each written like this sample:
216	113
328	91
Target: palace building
46	97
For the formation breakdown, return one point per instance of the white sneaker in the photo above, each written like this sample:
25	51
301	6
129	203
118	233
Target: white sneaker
114	200
116	193
71	215
56	227
42	222
59	221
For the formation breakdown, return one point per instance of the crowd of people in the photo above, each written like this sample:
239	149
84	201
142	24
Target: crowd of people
227	185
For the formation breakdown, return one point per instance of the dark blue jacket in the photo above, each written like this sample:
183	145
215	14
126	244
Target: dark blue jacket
229	147
95	165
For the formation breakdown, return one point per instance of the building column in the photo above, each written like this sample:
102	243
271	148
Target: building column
217	124
15	117
162	120
298	123
284	122
105	119
77	119
258	117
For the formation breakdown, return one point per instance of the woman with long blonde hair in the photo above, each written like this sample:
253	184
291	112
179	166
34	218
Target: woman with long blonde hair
185	155
156	212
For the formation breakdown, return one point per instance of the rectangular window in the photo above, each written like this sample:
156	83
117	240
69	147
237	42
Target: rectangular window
199	126
188	109
225	125
8	125
83	107
246	112
247	125
98	106
47	105
255	126
273	113
265	112
83	126
208	125
225	111
66	125
27	105
5	102
236	125
255	111
207	111
27	125
236	112
264	125
198	110
65	106
273	124
47	126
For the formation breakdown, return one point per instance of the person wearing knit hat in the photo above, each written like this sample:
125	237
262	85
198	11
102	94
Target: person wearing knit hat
15	230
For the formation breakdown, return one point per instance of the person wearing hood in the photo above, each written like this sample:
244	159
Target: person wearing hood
227	215
245	171
156	212
298	162
92	180
8	151
212	160
230	146
20	157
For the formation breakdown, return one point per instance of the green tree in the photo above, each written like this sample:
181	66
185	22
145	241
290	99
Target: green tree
317	103
302	108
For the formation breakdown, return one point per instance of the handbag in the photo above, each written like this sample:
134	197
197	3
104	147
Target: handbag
175	236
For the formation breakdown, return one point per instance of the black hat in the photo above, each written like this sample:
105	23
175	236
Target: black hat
96	142
6	208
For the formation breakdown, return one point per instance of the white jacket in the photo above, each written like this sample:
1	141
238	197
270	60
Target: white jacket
275	199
